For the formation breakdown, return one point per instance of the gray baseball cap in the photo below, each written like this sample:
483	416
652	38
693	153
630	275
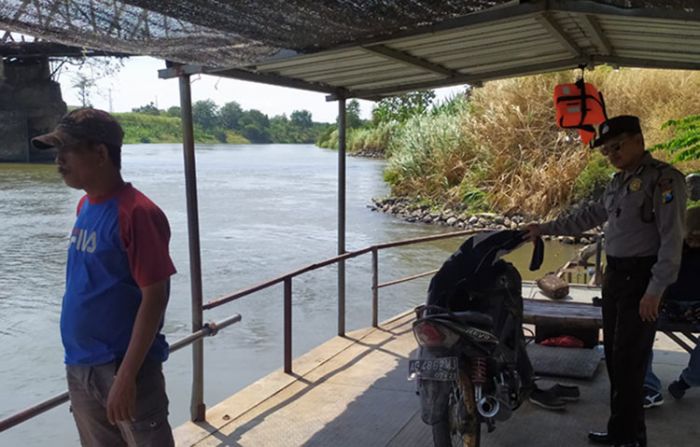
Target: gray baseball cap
80	125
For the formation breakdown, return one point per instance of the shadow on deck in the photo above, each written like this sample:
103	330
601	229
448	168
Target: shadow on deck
353	392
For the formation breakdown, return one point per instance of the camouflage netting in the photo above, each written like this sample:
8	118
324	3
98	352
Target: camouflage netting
231	33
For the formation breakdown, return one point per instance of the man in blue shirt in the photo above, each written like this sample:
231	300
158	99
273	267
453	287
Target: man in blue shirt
117	278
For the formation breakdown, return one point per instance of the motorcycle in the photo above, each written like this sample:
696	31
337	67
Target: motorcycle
472	367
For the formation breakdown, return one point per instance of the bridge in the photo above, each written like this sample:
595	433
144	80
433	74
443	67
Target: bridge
30	99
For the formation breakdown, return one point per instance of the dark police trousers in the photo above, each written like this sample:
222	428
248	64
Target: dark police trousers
628	341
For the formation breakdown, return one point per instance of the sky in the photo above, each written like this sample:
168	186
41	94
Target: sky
137	84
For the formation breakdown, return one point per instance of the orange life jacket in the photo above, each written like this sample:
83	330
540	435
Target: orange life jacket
579	106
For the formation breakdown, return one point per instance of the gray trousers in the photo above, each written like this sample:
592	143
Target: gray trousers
88	388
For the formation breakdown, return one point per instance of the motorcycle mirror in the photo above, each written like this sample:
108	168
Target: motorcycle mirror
537	255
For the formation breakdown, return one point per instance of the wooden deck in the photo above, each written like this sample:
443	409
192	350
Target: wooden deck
350	391
353	391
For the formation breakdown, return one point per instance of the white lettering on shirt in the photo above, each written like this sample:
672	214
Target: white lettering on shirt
84	241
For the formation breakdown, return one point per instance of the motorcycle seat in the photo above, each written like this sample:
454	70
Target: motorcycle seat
479	319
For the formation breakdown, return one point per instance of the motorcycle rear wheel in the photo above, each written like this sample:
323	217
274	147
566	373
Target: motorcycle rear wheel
446	434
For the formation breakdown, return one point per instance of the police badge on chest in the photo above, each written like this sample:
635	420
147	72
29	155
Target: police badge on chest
635	185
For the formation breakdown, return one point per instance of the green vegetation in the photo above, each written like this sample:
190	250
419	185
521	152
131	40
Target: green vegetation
375	136
685	144
497	147
592	180
147	128
213	124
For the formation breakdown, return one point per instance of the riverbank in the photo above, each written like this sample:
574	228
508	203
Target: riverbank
410	211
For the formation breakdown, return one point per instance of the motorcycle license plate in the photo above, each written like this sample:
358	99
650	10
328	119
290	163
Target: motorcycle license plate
441	368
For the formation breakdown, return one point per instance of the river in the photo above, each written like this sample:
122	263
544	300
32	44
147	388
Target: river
264	210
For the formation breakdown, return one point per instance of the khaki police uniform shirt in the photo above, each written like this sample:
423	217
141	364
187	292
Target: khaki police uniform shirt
644	212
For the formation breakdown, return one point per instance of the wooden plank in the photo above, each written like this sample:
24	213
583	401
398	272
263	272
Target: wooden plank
584	315
575	314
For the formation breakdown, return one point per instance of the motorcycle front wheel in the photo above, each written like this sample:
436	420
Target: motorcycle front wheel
452	433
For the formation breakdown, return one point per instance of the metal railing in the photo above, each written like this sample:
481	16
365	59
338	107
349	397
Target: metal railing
209	329
286	280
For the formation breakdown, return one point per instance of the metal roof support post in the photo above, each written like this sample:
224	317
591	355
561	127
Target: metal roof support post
375	287
197	407
288	325
341	215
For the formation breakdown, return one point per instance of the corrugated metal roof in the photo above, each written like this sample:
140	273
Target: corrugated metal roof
501	42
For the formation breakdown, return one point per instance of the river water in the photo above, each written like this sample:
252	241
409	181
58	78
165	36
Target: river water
265	210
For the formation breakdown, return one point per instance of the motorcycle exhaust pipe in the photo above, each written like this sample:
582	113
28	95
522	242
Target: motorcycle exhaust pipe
487	406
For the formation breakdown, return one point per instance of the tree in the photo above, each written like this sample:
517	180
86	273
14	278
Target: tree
254	126
149	109
256	134
84	84
401	108
254	117
352	115
301	119
85	73
230	114
280	131
174	111
205	114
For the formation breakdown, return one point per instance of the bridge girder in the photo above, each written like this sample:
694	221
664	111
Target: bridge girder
126	27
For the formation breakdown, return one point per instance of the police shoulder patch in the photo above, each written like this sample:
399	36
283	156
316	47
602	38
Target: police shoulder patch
666	187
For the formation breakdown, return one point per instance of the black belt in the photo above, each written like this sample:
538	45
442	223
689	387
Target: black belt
631	263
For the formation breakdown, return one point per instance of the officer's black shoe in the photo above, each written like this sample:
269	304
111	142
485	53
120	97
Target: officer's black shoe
600	438
677	388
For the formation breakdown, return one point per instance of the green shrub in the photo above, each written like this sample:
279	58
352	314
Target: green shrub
364	139
592	180
328	138
685	143
429	156
473	198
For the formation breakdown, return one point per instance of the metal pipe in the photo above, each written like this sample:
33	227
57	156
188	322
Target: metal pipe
278	279
28	413
197	407
288	325
375	287
341	215
598	259
347	255
678	340
208	329
406	279
435	237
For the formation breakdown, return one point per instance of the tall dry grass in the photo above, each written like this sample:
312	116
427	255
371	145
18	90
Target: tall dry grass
507	146
533	163
655	96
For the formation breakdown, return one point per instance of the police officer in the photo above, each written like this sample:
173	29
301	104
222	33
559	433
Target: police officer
643	207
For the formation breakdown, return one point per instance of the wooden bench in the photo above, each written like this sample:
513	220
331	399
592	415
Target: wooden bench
586	317
555	318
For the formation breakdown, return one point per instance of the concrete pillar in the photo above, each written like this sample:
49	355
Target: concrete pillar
30	104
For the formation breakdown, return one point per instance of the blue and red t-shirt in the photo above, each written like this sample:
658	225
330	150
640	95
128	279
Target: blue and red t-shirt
119	244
